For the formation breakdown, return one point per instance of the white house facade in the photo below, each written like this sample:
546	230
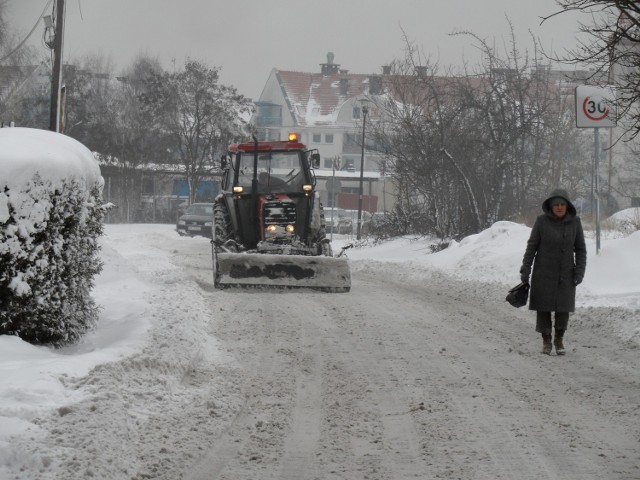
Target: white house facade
325	109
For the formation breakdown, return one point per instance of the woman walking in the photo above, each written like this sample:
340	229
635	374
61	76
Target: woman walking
557	251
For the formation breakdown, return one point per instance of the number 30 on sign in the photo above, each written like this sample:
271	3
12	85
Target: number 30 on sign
595	106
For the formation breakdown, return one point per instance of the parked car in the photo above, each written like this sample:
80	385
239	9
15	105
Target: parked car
345	225
196	220
332	219
353	216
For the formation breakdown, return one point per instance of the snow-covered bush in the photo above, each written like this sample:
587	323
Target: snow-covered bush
626	221
50	221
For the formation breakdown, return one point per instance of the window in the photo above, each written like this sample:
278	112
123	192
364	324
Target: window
348	165
326	163
317	138
351	143
148	186
277	172
355	115
328	138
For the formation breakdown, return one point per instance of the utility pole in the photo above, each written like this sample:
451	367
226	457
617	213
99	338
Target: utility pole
56	77
365	110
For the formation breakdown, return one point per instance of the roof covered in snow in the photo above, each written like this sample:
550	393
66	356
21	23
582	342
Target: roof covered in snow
316	98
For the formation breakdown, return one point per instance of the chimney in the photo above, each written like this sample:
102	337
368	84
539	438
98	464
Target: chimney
329	68
375	84
344	86
386	69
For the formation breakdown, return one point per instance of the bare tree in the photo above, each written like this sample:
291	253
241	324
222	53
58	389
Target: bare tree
201	117
19	67
528	126
13	50
475	148
611	48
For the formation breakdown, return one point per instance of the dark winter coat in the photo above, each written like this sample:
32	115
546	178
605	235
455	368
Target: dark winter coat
557	250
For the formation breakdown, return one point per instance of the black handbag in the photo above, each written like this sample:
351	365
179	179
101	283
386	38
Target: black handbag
518	295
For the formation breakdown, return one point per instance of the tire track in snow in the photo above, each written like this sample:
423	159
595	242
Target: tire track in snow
499	403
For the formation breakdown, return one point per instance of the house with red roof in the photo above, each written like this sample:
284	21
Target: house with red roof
325	108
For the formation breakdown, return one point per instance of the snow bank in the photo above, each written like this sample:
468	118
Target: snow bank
494	255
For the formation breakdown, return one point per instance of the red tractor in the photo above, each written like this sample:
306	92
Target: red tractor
269	223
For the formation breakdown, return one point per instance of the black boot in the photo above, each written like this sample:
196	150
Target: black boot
546	344
558	342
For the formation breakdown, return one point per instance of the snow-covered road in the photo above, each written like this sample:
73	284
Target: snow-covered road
401	378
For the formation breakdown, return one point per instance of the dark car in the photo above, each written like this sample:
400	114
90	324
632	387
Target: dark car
196	220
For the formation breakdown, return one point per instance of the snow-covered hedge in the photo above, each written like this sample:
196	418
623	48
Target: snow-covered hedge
50	219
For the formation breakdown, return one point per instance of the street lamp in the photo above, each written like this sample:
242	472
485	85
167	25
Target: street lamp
365	109
335	163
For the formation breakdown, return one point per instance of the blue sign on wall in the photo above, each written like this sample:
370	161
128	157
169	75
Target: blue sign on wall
206	192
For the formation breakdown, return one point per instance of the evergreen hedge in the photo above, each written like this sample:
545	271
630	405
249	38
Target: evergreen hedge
49	257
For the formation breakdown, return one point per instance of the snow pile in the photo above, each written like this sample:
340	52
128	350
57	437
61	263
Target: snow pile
54	156
625	222
494	256
41	160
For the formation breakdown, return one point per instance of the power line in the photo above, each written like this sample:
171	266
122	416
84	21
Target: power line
29	35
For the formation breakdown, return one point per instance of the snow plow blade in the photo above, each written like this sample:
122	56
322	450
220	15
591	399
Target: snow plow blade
285	271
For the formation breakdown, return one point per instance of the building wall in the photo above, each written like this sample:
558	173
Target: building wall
147	196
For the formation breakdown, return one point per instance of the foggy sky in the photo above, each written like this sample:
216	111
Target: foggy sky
247	38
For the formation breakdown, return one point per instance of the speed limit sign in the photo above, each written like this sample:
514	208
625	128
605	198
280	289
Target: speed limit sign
595	106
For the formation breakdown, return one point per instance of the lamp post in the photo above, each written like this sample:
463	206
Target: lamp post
365	110
335	163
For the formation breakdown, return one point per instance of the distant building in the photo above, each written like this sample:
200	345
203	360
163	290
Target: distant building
325	109
17	83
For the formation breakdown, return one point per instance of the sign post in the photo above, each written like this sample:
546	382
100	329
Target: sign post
596	108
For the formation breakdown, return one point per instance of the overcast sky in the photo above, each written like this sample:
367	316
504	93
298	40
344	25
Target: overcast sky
247	38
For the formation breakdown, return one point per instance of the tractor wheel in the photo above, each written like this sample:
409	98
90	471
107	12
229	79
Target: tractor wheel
320	239
221	223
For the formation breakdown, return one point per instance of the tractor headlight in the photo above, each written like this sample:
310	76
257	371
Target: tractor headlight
308	190
238	189
277	230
